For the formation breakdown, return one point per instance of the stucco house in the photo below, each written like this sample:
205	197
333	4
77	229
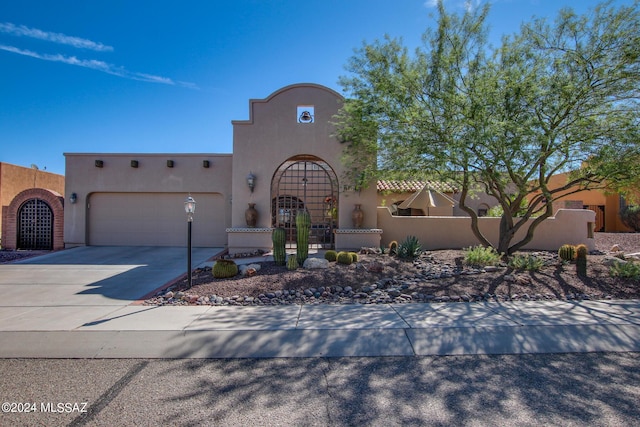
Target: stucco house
286	146
32	203
285	158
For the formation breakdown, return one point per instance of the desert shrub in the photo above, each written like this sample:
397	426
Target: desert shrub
344	258
526	262
630	217
409	248
481	256
331	255
626	270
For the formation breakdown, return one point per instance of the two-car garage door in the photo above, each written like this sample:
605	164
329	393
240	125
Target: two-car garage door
155	219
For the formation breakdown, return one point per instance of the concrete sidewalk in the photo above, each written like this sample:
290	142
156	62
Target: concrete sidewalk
135	331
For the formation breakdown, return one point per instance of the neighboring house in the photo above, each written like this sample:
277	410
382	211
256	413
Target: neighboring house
32	208
606	206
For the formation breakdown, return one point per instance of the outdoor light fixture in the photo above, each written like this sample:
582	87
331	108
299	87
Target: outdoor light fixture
251	181
189	208
99	163
170	163
73	198
134	163
205	163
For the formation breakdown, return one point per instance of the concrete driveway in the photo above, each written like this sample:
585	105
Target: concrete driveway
94	275
61	290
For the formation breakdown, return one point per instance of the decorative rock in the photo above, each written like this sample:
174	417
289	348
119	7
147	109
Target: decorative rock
612	260
615	248
313	263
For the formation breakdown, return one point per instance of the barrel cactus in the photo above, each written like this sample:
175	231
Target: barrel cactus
224	268
567	252
292	262
278	236
581	260
393	248
354	256
331	255
303	226
344	258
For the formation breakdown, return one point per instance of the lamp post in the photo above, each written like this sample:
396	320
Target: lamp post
190	208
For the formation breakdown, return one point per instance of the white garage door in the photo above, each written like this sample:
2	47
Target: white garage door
155	219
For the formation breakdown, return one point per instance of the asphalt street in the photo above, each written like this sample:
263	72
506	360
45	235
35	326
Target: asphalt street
594	389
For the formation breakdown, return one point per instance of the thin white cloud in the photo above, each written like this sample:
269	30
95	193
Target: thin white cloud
99	66
77	42
468	5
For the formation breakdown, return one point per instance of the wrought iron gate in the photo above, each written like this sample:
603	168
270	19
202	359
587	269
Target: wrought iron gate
306	182
35	225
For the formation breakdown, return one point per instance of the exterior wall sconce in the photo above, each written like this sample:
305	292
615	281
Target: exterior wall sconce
99	163
169	163
251	181
73	198
134	163
206	163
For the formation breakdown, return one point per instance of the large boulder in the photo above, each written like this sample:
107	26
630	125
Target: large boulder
312	263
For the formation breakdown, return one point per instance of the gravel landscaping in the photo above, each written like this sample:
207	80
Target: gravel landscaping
435	276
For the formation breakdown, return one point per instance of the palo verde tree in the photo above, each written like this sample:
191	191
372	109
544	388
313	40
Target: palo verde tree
556	97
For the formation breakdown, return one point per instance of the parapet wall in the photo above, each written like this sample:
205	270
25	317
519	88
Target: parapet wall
573	226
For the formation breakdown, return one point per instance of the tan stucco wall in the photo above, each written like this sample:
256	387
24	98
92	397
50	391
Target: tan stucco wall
568	226
15	179
152	175
272	135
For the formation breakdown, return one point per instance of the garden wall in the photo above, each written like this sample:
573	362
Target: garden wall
573	226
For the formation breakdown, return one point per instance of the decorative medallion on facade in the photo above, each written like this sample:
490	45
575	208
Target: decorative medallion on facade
306	114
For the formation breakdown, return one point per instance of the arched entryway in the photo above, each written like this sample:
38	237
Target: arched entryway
35	225
305	182
34	220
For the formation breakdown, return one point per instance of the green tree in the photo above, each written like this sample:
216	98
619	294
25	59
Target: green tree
555	97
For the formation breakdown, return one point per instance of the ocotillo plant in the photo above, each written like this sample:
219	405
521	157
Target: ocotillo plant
278	236
303	225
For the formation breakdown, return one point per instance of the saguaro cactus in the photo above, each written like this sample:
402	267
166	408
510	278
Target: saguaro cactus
303	226
278	236
292	262
581	260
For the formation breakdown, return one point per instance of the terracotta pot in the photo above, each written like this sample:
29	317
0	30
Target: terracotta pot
357	216
251	215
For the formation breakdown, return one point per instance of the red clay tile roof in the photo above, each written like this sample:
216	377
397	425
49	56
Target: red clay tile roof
410	186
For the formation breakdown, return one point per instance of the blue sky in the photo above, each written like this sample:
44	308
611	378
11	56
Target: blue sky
169	77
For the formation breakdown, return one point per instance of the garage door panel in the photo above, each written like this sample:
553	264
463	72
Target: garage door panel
155	219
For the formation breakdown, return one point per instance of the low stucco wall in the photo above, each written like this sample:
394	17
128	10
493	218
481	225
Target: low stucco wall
568	226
